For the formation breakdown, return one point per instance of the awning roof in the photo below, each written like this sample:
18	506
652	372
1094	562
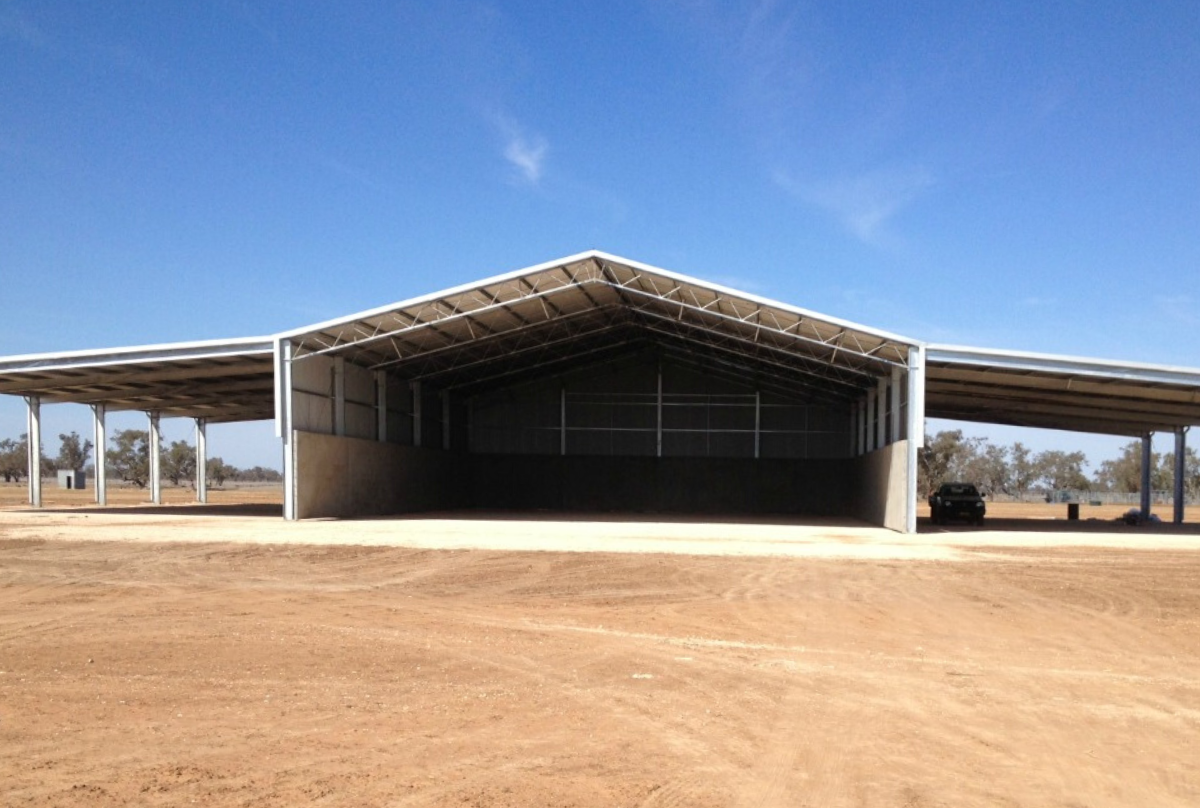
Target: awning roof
594	305
1059	392
223	380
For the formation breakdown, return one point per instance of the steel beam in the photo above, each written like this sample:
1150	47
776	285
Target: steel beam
894	402
562	409
757	424
881	415
339	396
201	461
283	424
872	412
415	388
915	429
101	481
1180	474
33	444
155	458
658	410
381	406
1147	462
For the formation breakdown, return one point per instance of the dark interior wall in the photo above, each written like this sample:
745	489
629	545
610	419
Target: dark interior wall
661	485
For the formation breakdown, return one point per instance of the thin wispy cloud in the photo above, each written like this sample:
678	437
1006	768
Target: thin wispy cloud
1178	308
865	203
525	151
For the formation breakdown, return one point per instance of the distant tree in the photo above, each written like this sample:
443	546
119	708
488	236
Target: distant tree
14	458
988	469
939	457
130	456
1123	473
258	474
179	462
1062	471
219	470
73	453
1023	471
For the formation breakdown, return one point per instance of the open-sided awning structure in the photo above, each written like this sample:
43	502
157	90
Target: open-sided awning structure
219	381
1059	392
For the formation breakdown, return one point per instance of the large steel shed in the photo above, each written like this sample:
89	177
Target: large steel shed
595	382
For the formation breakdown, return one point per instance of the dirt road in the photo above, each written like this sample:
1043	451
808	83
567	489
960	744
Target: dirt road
171	673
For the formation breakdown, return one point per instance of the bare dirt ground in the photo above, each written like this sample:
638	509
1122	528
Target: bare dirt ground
144	661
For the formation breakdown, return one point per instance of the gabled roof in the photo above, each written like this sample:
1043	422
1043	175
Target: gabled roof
594	303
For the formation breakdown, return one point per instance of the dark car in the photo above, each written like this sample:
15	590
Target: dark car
956	501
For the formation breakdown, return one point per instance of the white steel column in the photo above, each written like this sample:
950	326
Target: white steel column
33	444
283	424
915	428
101	483
881	414
381	406
415	388
339	396
155	459
872	394
201	460
1180	472
1147	461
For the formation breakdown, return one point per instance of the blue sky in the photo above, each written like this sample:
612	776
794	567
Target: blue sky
1010	174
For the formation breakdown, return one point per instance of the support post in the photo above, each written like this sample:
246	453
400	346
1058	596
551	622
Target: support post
98	413
562	420
339	396
872	394
894	400
202	460
659	414
415	388
155	459
881	414
915	429
853	428
757	424
283	425
1180	472
33	443
445	395
1147	461
381	406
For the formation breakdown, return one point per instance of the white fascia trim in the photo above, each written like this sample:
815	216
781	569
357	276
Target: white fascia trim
136	354
1056	363
610	258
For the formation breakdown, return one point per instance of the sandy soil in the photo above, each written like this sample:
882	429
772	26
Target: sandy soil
144	662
